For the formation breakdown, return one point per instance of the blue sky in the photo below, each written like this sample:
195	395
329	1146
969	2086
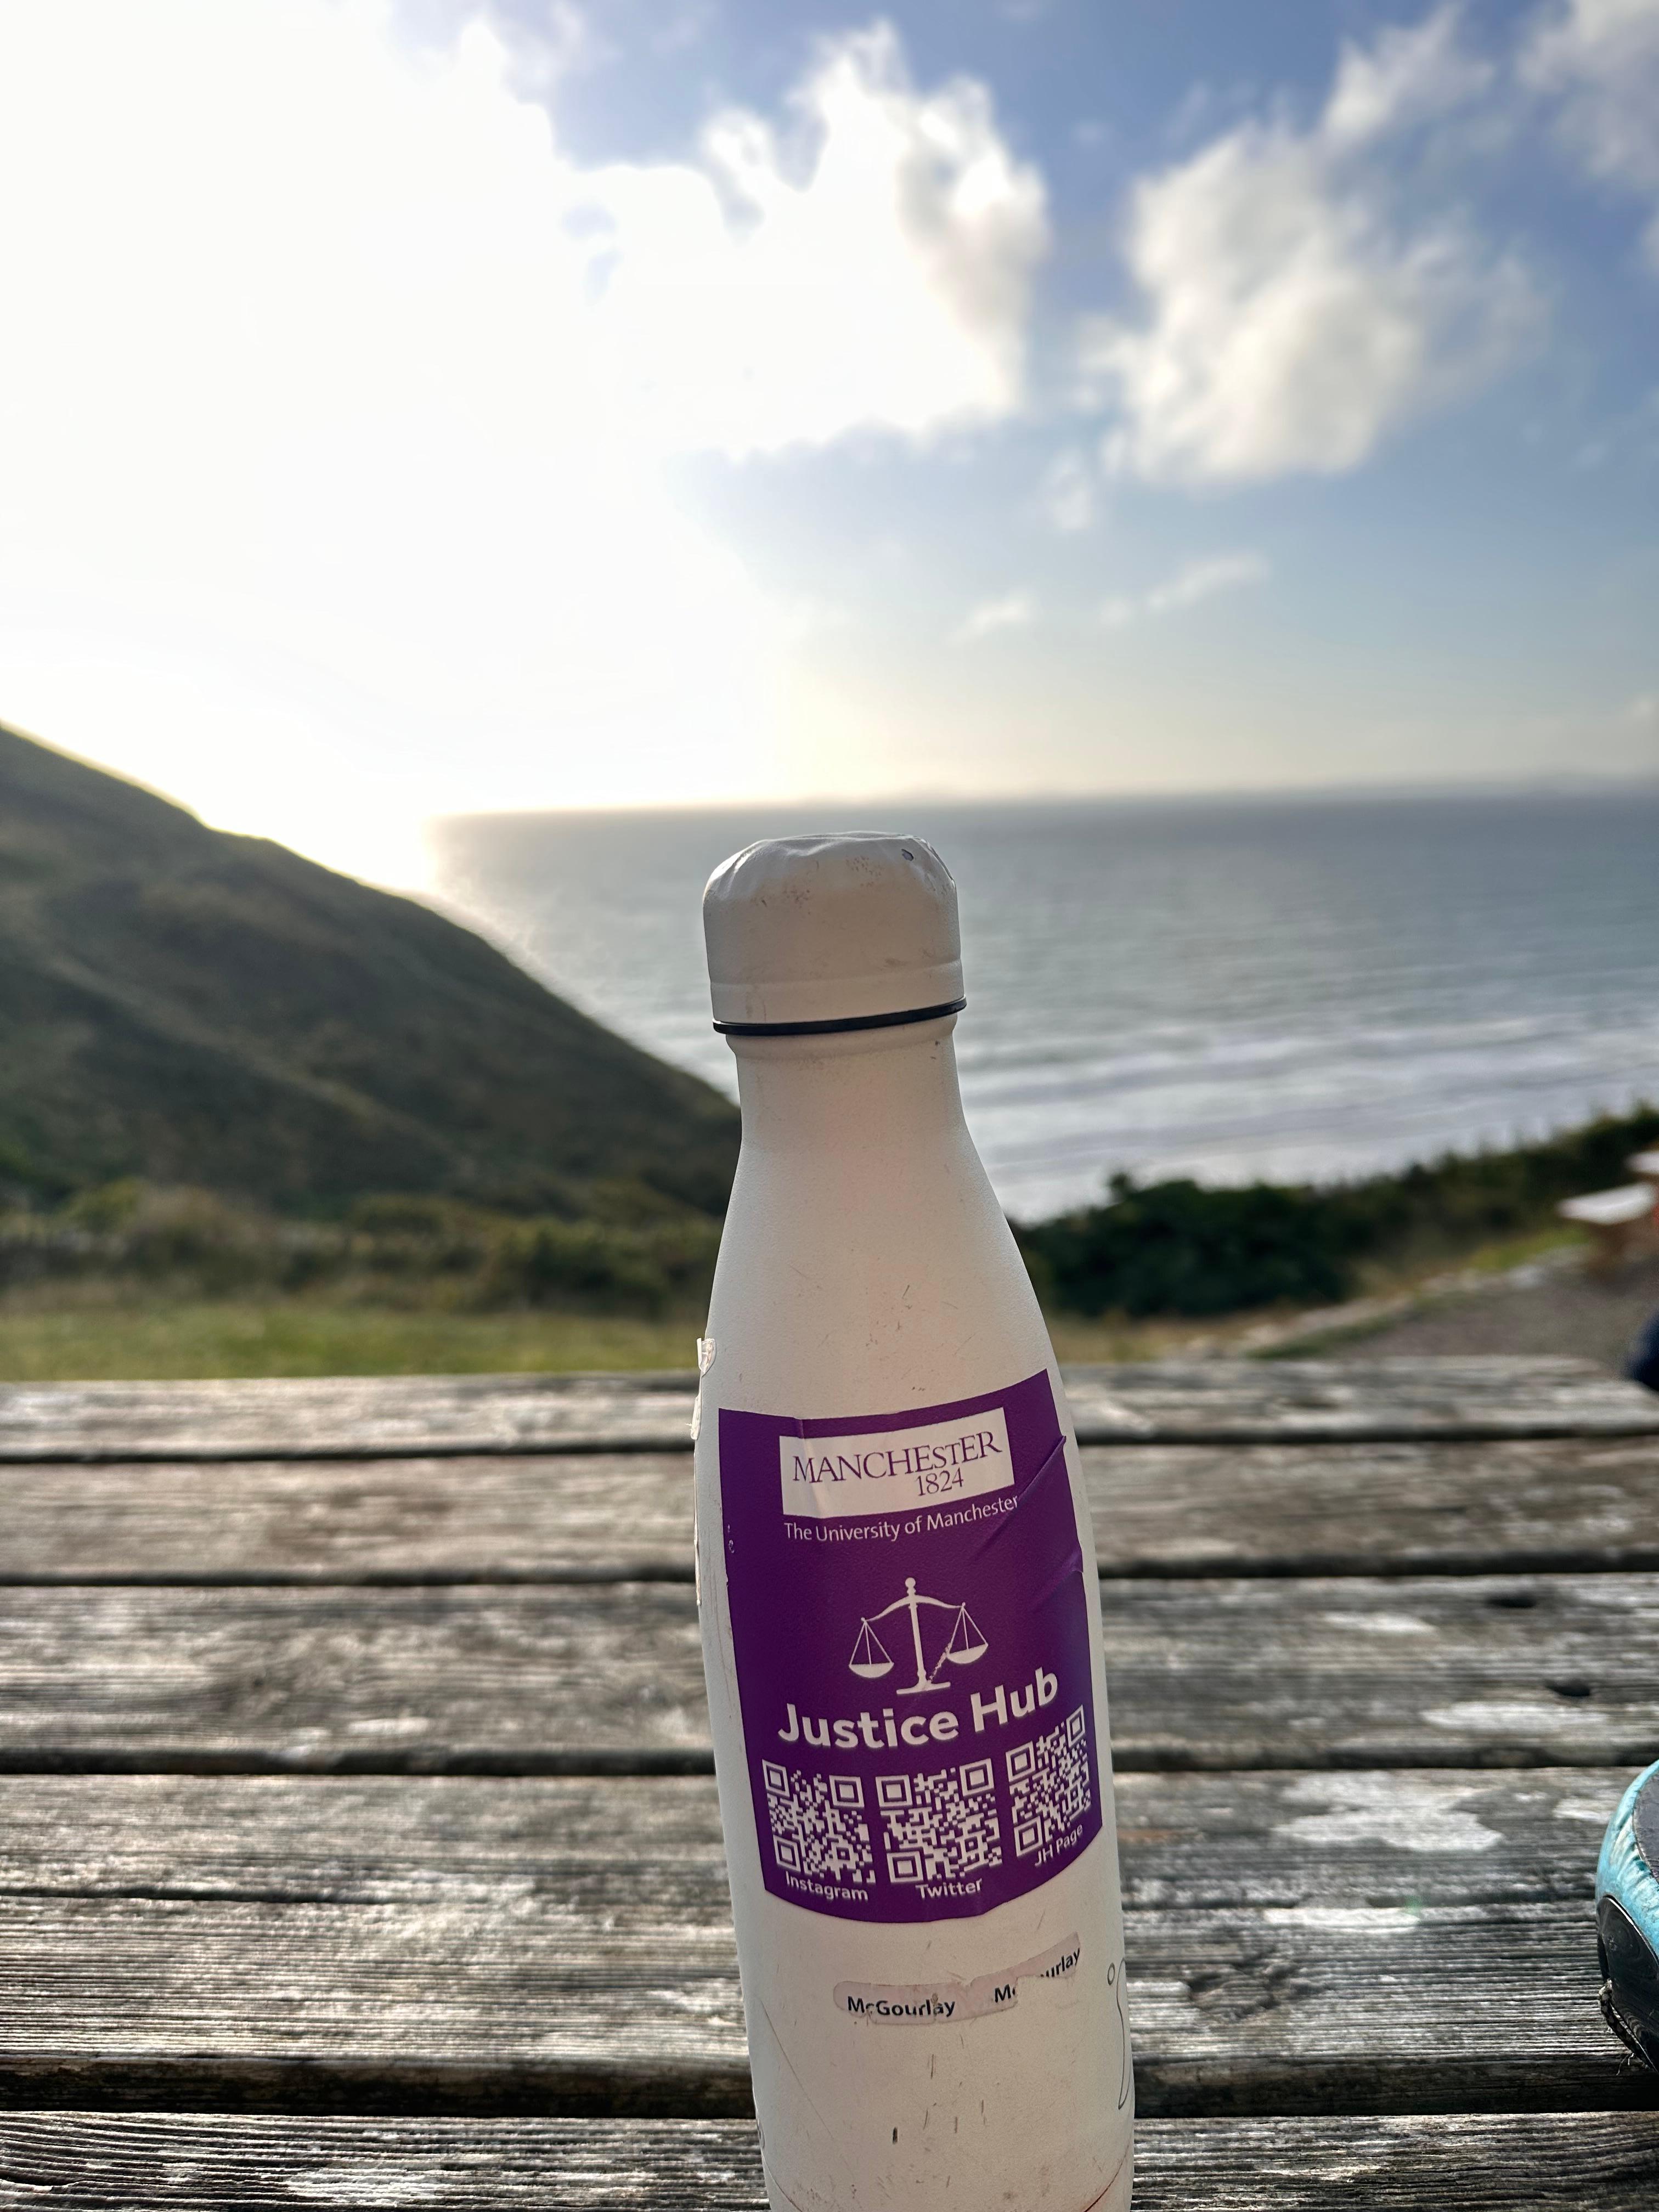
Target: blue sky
436	407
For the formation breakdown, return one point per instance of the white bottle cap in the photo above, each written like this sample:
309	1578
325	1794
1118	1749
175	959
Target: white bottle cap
849	929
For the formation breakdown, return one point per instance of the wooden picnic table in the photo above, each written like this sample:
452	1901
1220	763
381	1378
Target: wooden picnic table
358	1840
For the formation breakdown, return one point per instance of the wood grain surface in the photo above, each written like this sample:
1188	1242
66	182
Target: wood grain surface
356	1765
1376	1401
188	2162
1427	1836
1369	1942
1183	1510
1257	1672
1210	1401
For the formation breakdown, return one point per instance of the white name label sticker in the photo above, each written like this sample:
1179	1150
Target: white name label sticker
930	2001
894	1470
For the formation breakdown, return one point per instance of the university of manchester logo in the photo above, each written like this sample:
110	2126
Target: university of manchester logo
894	1470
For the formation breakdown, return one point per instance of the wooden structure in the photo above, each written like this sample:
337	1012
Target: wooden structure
1622	1221
358	1844
1619	1221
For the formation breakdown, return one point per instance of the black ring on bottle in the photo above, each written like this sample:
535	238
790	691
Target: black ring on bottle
840	1027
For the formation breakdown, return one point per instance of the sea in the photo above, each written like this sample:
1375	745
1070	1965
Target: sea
1296	989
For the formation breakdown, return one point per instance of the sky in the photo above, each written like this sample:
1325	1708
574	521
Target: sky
412	407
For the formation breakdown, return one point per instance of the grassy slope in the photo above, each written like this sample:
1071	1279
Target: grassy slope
118	1329
101	1332
199	1008
168	1339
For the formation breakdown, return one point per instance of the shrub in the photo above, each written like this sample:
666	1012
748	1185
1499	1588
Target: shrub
398	1233
1463	1199
585	1263
108	1208
1175	1248
196	1233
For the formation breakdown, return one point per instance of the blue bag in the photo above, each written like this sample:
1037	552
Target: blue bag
1627	1918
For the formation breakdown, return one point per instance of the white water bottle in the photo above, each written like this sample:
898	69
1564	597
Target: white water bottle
901	1617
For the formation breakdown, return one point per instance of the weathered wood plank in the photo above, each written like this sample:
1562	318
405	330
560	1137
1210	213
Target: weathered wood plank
1306	1508
1158	1509
1218	1401
344	1416
580	1516
526	1680
595	1677
1365	1942
1189	1842
1379	1400
188	2162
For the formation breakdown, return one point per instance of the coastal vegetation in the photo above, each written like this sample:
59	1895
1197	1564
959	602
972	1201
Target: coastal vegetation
633	1254
1178	1247
256	1118
131	1278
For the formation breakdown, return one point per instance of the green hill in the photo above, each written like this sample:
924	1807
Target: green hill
191	1007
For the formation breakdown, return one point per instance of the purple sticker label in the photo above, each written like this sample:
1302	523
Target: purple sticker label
911	1629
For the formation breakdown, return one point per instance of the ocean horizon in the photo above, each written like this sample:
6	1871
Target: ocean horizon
1299	988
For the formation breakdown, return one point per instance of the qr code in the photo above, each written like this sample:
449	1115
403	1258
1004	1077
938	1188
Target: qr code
941	1827
1049	1783
818	1824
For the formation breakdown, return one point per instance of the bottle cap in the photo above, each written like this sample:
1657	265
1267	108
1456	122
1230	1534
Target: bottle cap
845	930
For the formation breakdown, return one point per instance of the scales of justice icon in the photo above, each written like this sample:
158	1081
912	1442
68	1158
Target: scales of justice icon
963	1646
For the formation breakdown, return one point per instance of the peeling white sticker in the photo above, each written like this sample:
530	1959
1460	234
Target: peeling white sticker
705	1361
923	2001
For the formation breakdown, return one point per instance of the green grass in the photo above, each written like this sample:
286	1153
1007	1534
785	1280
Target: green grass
166	1339
92	1332
115	1331
1516	1251
182	1003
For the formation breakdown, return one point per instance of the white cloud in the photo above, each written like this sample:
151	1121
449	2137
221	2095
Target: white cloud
1412	73
543	45
329	494
875	275
1066	496
1600	59
1295	317
1014	611
1197	580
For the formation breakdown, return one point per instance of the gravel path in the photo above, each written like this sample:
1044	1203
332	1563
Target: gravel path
1568	1312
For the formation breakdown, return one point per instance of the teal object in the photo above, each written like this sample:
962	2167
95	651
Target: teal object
1627	1917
